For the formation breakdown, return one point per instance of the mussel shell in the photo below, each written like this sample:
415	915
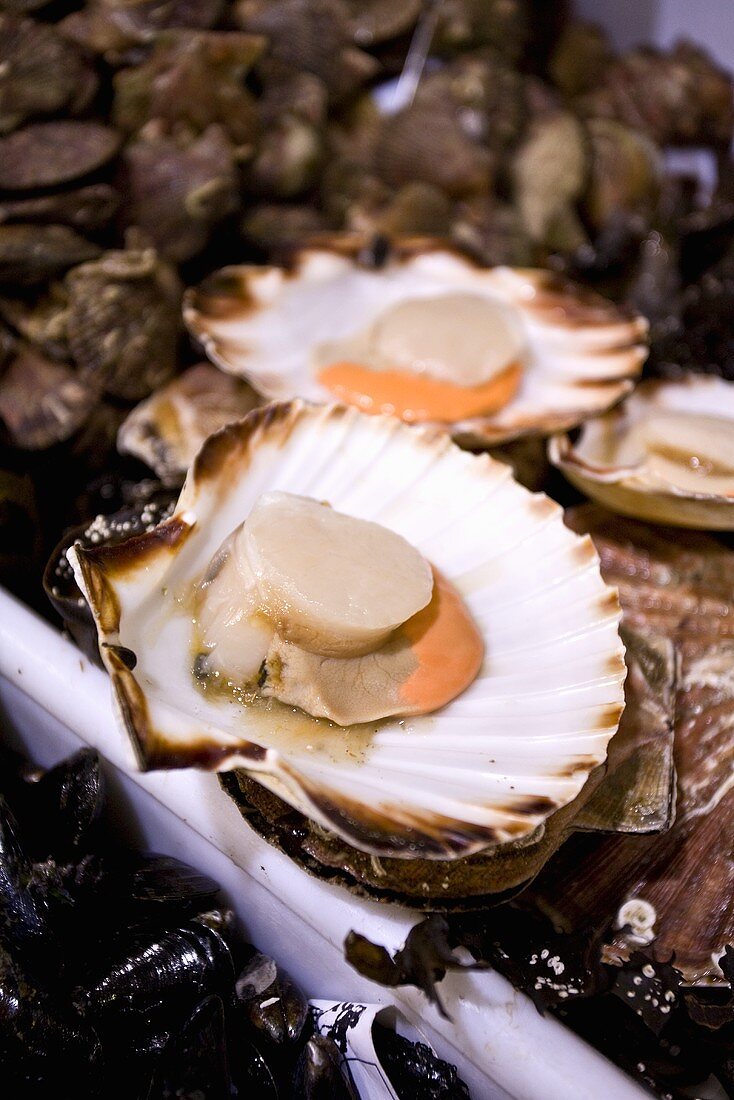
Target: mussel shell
43	1043
152	982
61	812
271	1001
47	154
322	1072
23	916
194	1062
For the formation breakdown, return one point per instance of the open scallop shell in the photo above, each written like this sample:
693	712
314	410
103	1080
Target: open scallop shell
488	768
630	489
582	352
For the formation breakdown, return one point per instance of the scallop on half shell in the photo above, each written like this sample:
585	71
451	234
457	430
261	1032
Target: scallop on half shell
666	455
278	326
487	768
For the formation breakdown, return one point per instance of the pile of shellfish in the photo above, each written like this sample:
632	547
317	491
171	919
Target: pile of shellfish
403	285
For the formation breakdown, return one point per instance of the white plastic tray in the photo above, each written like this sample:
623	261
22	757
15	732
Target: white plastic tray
53	701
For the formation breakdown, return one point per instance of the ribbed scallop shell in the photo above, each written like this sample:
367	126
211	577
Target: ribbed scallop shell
490	767
629	489
582	353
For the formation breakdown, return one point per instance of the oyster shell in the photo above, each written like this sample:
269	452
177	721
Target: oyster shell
262	323
662	456
168	429
488	768
675	586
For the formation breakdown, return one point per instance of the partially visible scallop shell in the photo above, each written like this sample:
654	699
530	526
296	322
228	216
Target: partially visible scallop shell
591	465
487	769
582	352
674	586
167	429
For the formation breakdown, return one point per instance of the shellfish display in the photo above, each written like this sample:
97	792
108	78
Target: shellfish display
666	455
255	597
475	223
536	355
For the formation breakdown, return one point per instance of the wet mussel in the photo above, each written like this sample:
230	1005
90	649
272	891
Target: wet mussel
122	970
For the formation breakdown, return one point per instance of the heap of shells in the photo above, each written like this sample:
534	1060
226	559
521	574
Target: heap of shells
142	147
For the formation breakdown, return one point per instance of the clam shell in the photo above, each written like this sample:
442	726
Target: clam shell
583	353
630	489
487	769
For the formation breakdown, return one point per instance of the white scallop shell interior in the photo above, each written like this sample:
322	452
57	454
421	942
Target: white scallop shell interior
489	767
629	489
581	351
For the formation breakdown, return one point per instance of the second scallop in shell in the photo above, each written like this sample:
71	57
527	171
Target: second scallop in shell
426	335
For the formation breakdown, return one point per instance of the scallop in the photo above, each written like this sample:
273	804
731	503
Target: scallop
494	353
666	455
494	760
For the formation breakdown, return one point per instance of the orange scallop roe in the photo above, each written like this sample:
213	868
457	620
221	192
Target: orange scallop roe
447	644
417	397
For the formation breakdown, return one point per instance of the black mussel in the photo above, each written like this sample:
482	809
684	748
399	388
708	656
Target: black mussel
85	208
322	1072
124	321
20	535
40	72
44	1045
47	154
59	583
23	915
194	1063
142	889
414	1070
32	254
61	812
273	1004
152	983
